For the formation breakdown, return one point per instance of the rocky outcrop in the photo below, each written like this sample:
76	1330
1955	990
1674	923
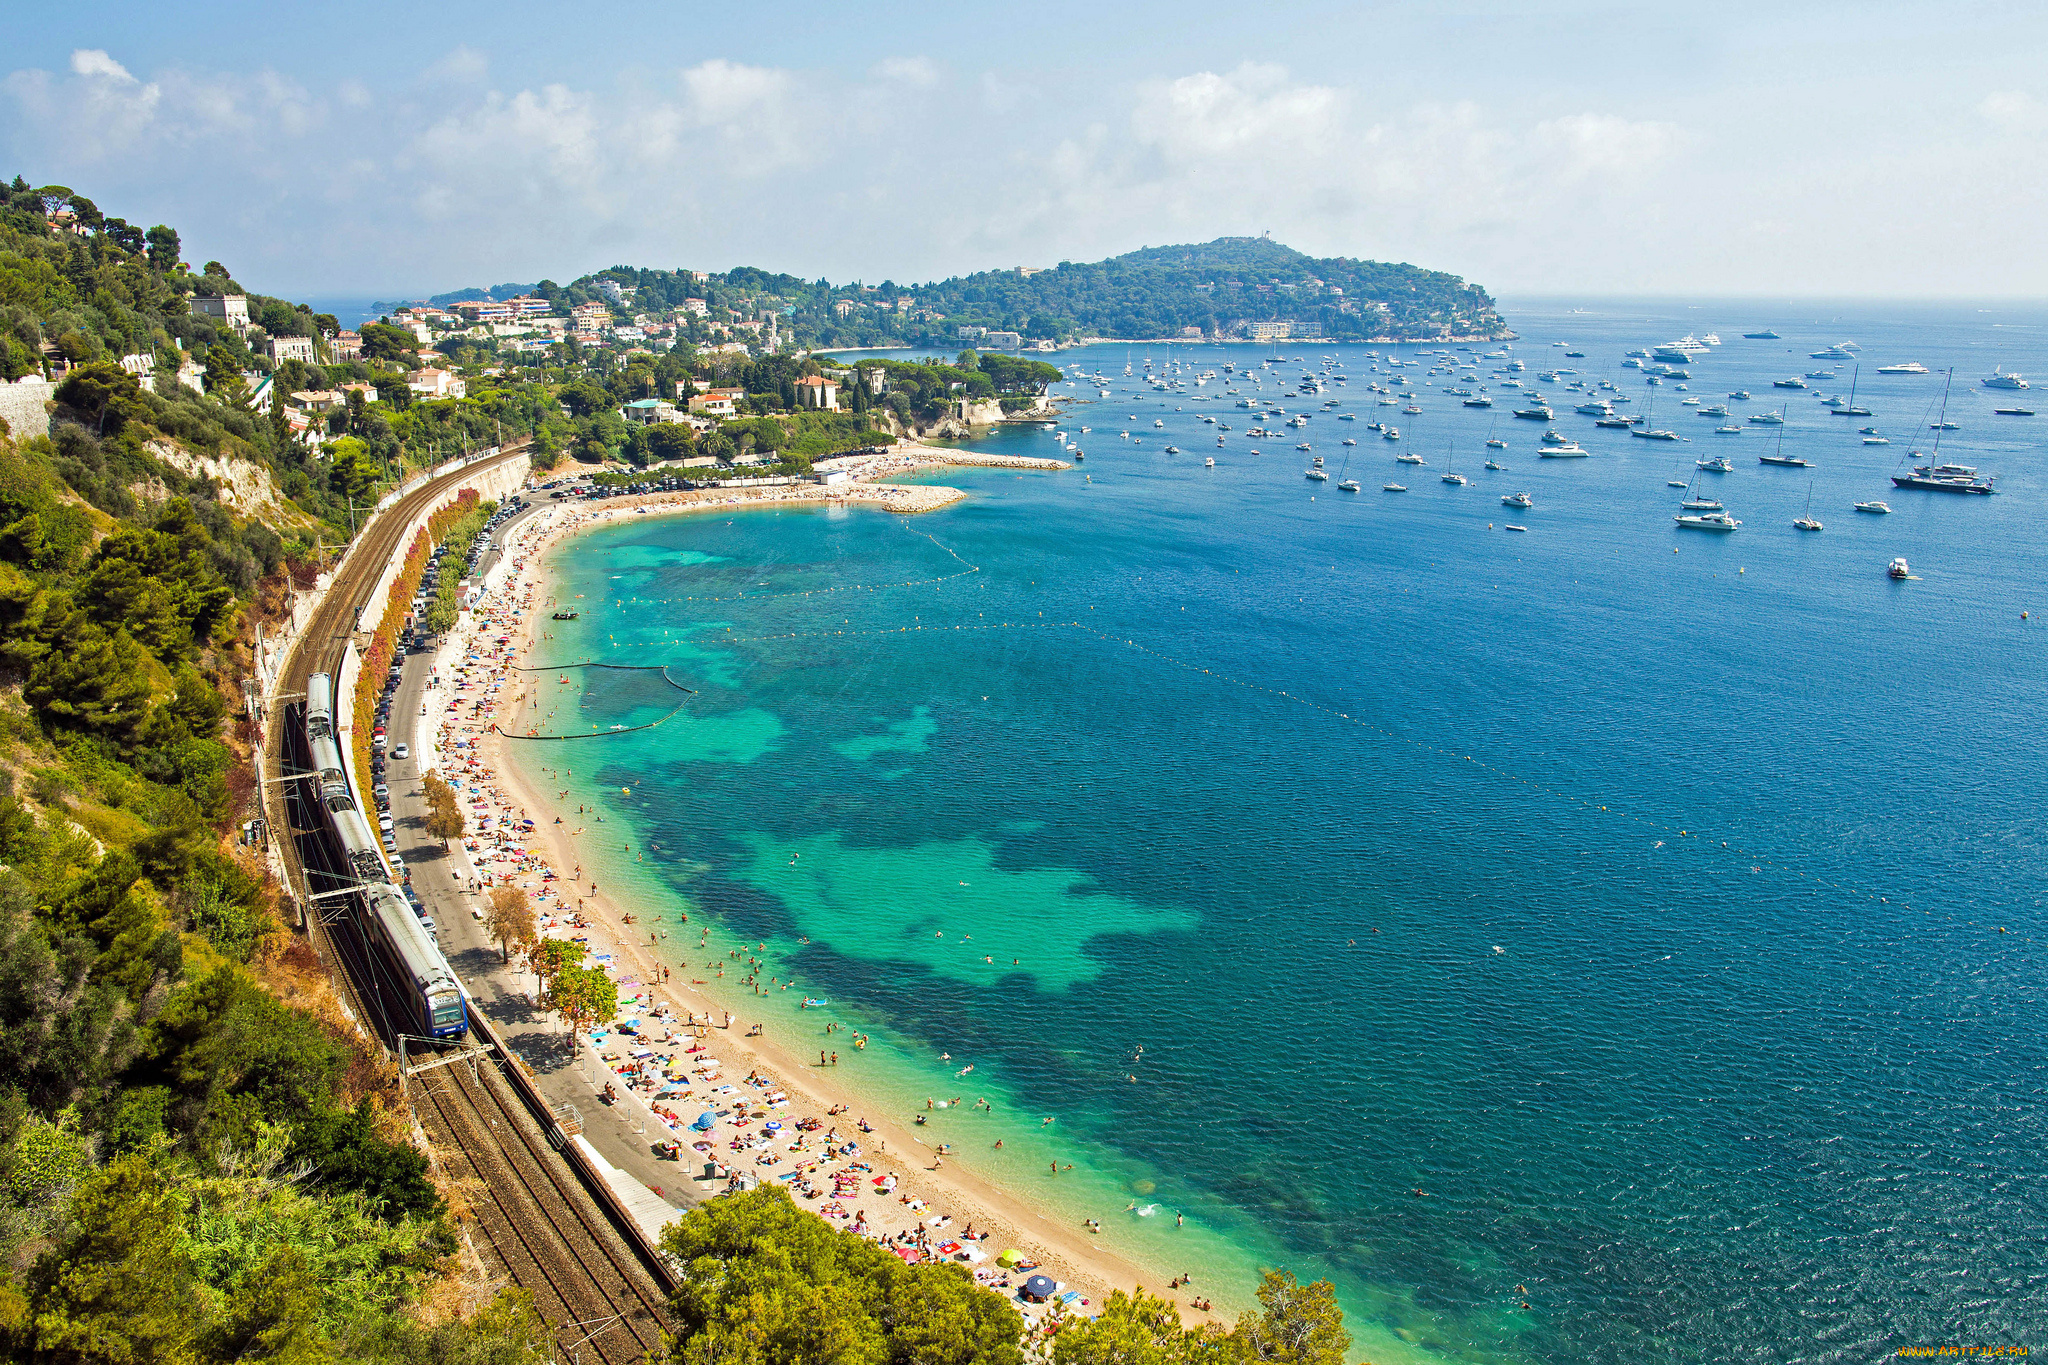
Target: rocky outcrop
244	486
24	406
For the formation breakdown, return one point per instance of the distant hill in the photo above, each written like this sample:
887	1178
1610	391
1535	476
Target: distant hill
496	291
1231	287
1227	286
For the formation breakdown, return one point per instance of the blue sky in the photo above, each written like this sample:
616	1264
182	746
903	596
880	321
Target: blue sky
1749	149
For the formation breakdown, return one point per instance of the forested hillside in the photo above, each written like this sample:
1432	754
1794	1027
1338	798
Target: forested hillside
1224	285
199	1159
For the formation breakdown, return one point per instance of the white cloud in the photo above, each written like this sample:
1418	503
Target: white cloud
93	61
447	180
2013	109
464	65
915	71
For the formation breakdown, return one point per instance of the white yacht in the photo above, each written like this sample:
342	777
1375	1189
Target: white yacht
2001	380
1318	475
1706	521
1409	457
1898	569
1570	450
1519	500
1349	485
1495	464
1880	508
1459	479
1910	367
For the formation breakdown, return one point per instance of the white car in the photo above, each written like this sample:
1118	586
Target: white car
402	751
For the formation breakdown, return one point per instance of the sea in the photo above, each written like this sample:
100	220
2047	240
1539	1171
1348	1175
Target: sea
1603	941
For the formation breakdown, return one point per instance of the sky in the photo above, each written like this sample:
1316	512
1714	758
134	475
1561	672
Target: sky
1543	148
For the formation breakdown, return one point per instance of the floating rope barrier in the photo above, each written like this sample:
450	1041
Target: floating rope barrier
610	731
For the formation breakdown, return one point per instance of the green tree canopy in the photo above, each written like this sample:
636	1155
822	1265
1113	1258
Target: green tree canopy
766	1283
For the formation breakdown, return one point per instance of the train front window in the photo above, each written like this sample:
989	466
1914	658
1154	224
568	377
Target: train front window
447	1012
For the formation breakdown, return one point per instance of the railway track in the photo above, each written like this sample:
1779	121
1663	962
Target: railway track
545	1230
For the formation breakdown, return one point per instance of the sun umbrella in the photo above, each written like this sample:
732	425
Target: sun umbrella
1010	1256
1039	1287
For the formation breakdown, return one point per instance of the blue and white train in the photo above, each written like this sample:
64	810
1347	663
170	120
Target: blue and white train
435	995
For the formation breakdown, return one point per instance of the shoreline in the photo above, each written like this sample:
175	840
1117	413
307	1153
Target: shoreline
1006	1218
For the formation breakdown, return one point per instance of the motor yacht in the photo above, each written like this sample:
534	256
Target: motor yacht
1879	508
2001	380
1910	367
1898	568
1518	500
1706	521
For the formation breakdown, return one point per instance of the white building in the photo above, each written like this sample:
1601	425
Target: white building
232	309
816	391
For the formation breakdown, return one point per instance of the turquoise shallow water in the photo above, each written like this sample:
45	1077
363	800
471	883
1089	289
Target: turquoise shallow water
1394	895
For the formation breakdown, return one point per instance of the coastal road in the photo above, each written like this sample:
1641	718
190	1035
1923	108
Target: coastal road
540	1228
502	991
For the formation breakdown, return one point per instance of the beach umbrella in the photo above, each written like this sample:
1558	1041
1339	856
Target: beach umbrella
706	1121
1010	1256
1039	1287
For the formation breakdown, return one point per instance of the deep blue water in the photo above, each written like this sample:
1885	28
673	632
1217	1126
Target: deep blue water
1666	908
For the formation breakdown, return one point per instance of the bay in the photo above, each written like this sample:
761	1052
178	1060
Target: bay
1639	925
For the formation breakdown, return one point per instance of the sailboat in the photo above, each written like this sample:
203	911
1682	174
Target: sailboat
1456	479
1850	409
1346	485
1804	521
1648	432
1493	442
1780	457
1695	503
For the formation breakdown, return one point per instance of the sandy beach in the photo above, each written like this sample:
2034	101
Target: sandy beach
893	1185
